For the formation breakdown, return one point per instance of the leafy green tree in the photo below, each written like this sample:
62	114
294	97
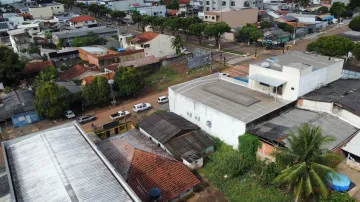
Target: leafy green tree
331	46
216	30
136	17
338	197
90	39
186	23
356	51
353	4
159	23
173	24
129	81
177	43
306	163
117	14
337	9
98	92
286	27
249	33
145	21
198	30
51	100
355	24
94	8
173	5
303	3
49	74
265	24
323	9
10	66
33	48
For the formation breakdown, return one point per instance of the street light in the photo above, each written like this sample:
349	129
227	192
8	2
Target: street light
111	82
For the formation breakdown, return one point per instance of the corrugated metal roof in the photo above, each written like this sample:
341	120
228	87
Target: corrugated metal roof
60	165
84	31
353	146
165	125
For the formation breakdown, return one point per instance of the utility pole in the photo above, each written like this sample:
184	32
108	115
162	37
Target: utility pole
211	62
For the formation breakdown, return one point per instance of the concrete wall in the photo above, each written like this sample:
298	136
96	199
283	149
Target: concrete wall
222	126
335	71
312	80
197	164
159	47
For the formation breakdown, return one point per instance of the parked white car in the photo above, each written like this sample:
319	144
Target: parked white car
163	99
225	74
141	107
69	114
119	115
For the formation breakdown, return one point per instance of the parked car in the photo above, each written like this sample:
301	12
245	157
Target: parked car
69	114
141	107
225	74
86	119
119	115
163	99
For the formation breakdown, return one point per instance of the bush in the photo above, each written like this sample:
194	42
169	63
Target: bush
265	24
356	51
355	24
323	9
338	197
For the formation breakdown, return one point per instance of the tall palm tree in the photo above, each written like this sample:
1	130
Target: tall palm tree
307	163
49	74
177	43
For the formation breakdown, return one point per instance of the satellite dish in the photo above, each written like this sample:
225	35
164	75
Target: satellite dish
265	64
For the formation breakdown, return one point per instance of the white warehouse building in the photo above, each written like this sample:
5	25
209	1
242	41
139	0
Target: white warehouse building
293	75
222	106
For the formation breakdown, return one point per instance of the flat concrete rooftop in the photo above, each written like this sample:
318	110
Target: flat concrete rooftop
300	61
231	99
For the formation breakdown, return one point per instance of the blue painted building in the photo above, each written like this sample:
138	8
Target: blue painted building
25	118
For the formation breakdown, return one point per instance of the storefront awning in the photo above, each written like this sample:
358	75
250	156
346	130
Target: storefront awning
267	80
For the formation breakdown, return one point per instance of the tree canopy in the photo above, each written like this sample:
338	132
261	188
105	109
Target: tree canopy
129	81
98	92
198	30
355	24
90	39
323	9
51	101
337	9
331	46
286	27
216	30
249	33
356	51
353	4
173	5
177	43
10	66
306	163
265	24
49	74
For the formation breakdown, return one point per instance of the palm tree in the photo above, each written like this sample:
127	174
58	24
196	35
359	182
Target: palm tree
177	43
49	74
307	163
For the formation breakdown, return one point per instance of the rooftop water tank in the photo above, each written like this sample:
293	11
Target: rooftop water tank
155	194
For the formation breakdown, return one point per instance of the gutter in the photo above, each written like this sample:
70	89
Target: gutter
10	182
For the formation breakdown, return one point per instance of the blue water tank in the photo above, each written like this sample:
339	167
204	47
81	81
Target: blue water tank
155	194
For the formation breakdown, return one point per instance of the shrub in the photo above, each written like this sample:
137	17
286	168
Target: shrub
355	24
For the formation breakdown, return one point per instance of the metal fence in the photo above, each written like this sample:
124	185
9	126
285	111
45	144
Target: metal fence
201	58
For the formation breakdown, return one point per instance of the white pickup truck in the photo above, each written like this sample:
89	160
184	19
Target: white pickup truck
119	115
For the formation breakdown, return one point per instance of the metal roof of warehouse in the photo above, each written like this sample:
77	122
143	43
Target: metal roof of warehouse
353	146
344	92
279	128
62	164
84	31
164	126
195	91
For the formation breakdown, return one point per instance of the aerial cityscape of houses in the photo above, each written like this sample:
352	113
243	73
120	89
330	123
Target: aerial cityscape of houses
180	100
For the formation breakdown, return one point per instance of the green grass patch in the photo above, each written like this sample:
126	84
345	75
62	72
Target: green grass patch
246	187
166	73
233	51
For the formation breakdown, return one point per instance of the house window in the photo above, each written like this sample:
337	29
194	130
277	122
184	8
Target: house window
213	17
195	162
207	2
147	46
264	84
232	3
223	3
292	88
58	7
207	8
35	28
206	17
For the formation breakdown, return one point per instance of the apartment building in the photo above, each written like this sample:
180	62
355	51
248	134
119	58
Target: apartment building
214	5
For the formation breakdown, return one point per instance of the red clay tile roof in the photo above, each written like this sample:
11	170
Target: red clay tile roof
82	18
73	72
145	37
172	12
36	67
154	171
90	79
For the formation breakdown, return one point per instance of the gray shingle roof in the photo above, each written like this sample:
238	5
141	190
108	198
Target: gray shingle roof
166	125
84	31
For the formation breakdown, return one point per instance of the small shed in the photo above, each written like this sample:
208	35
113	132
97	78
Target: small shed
25	118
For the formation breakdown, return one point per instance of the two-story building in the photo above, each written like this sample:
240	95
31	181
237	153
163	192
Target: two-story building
46	10
158	45
216	5
83	21
234	18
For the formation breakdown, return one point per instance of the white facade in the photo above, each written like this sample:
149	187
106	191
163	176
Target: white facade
46	11
121	5
152	10
87	23
222	126
298	78
213	5
159	47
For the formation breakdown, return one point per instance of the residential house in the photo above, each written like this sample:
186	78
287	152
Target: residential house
158	45
83	21
60	55
62	163
233	17
89	79
65	17
149	10
78	72
294	74
16	102
216	100
69	35
145	167
275	132
33	68
32	29
19	40
178	136
217	5
46	10
102	57
275	36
